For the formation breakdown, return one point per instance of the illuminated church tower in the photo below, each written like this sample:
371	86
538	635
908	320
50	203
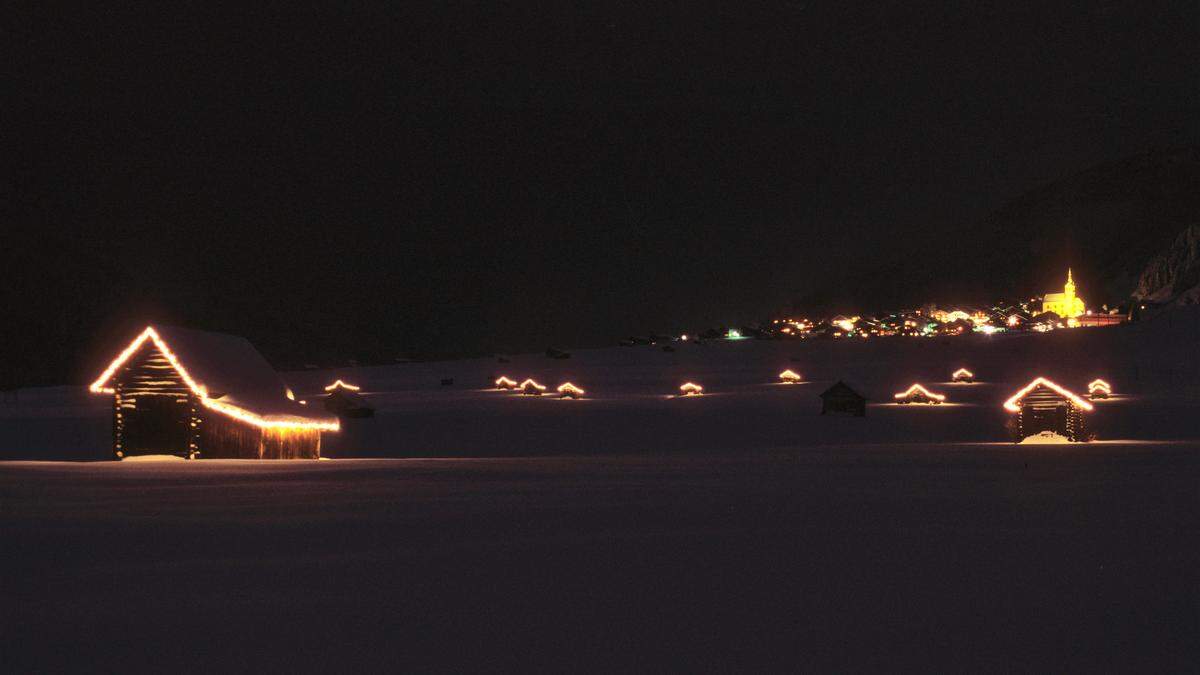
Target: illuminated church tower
1066	304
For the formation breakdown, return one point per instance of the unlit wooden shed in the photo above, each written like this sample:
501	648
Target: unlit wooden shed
841	398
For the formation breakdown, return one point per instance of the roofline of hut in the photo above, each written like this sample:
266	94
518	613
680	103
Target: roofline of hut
236	412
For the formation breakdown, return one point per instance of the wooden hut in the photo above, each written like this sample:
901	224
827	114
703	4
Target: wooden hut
962	375
346	401
1098	389
1044	406
197	394
568	390
919	394
531	388
841	398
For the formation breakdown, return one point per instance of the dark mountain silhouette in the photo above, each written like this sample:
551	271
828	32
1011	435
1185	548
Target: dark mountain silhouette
1173	276
1105	223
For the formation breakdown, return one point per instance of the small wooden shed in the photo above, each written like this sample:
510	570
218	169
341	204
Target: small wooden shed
346	401
842	398
918	394
198	394
1045	406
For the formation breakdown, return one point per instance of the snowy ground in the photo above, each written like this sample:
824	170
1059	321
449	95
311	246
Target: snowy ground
736	530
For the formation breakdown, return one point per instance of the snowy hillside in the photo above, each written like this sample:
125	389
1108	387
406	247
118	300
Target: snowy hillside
630	405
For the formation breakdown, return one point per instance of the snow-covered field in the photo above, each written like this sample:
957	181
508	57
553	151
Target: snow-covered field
630	406
631	529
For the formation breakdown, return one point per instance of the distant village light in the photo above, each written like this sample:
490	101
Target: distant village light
342	385
789	377
505	383
690	389
962	375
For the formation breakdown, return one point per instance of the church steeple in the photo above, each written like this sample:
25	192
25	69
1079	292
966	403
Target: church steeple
1069	289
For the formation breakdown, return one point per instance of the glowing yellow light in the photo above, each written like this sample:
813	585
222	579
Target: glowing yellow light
1011	404
98	387
1014	320
532	388
290	395
569	390
343	385
962	374
789	377
505	383
1099	385
691	389
846	325
916	388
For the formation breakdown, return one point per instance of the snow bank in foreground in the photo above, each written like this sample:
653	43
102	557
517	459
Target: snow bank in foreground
1045	438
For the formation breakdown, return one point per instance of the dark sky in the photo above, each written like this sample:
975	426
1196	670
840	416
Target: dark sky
408	173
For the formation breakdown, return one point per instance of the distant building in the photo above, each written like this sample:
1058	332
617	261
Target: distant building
1092	320
1045	406
841	398
1066	305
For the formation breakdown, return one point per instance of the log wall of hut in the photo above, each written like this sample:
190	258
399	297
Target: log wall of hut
223	437
154	411
1044	409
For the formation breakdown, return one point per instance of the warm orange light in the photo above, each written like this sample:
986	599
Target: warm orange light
531	387
98	387
343	385
789	377
1011	404
1099	385
691	389
569	390
918	388
505	383
962	373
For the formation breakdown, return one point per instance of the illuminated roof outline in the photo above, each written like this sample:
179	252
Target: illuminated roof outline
1011	404
918	388
285	420
344	385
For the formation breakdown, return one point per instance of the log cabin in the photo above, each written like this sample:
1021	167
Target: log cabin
1045	406
842	398
918	394
198	394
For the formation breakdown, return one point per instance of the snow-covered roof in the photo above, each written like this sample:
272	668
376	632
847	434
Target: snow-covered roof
1011	404
227	373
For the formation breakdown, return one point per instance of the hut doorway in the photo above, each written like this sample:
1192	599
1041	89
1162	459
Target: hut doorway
1036	419
154	425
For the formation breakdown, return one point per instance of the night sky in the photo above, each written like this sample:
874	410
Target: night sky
445	178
